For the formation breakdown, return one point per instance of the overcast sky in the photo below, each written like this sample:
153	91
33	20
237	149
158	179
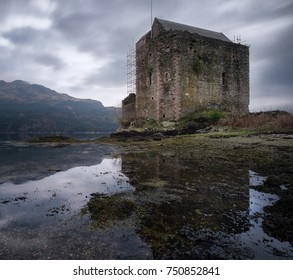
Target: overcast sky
79	47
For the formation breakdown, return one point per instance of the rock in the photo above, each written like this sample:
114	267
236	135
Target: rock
168	124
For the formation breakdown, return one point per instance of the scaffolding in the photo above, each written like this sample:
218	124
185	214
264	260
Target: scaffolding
131	71
238	40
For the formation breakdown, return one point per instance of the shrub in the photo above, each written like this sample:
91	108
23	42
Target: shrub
209	117
215	115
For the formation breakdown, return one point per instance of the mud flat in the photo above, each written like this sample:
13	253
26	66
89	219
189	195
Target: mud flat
215	195
220	195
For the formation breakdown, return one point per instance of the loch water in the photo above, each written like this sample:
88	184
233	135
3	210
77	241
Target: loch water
86	201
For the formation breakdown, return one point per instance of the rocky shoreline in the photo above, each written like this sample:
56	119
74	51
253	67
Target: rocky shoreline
214	152
196	196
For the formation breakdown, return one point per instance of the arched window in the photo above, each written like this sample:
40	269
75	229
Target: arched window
167	77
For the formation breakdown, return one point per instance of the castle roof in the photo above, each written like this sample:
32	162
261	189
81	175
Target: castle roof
169	26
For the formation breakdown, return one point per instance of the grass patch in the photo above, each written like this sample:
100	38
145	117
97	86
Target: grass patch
155	183
272	120
204	116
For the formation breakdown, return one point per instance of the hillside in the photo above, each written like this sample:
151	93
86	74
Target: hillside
28	107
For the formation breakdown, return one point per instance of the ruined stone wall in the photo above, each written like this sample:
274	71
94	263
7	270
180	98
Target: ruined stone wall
128	110
179	72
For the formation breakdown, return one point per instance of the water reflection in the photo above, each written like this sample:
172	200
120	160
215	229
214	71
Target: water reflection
138	206
61	193
217	199
195	211
20	161
262	245
43	219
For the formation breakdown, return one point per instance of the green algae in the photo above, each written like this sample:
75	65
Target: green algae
192	193
106	210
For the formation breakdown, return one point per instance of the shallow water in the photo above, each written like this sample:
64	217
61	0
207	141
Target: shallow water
262	245
63	193
131	207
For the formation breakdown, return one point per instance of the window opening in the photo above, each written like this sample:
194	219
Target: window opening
150	78
167	77
224	79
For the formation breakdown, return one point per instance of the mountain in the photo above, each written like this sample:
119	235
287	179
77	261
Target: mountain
28	107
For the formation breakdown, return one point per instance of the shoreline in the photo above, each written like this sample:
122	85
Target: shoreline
194	193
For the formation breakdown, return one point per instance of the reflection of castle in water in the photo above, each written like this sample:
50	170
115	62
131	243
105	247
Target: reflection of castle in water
180	208
182	196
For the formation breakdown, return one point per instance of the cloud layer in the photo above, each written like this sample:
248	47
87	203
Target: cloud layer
79	46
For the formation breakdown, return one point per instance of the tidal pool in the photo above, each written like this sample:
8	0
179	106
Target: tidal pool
262	245
134	206
43	218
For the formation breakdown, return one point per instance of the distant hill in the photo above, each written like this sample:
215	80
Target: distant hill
28	107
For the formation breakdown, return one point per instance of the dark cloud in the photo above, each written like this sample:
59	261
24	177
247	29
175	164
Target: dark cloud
8	7
37	42
25	36
267	11
110	74
50	60
101	27
249	11
280	57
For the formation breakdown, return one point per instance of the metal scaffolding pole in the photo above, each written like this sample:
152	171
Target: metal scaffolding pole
131	71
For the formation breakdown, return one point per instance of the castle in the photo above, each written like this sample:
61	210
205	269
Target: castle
181	68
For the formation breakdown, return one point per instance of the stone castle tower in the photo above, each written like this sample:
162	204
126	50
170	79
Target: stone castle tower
181	68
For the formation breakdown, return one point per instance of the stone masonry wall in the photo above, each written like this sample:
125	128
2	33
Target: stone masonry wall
179	72
128	110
